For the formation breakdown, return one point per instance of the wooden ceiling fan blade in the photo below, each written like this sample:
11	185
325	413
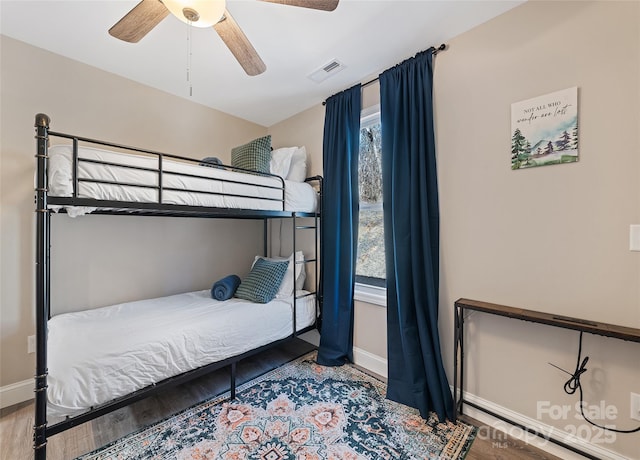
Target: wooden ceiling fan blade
239	45
325	5
139	21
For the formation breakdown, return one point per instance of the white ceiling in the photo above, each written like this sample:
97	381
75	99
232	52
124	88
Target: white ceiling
367	36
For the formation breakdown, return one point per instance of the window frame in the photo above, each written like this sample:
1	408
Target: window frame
366	289
370	294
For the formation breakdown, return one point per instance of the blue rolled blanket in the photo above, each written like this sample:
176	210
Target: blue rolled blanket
213	162
225	288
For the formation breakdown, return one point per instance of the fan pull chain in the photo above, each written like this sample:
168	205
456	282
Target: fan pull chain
189	58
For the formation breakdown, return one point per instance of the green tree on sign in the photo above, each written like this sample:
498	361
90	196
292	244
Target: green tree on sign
517	143
520	149
549	148
574	137
564	142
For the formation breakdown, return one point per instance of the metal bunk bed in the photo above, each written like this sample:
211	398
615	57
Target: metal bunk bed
44	203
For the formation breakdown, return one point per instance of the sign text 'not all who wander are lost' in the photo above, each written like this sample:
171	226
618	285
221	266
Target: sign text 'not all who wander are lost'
544	130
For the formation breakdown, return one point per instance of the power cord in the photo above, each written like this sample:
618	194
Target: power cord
573	384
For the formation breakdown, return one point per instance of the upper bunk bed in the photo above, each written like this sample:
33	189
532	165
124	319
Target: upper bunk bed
87	175
77	176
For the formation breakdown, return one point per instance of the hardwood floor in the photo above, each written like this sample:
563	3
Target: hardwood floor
492	444
16	422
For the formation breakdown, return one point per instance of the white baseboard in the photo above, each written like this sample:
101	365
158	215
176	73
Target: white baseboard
597	450
369	361
16	393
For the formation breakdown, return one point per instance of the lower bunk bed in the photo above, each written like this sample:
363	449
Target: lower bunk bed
92	362
157	339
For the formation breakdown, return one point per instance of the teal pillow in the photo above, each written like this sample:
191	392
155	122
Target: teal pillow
263	281
254	155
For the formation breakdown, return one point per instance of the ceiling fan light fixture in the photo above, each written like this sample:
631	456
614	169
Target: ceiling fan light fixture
198	13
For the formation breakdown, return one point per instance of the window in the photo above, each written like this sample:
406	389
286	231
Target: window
370	264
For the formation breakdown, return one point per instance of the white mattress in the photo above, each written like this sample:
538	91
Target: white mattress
299	196
98	355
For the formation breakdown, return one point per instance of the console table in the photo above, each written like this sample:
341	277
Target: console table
565	322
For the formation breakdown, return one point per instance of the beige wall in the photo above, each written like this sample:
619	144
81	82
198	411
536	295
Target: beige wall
554	238
99	260
305	128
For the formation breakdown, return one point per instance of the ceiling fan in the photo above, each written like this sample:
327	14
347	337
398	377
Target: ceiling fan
203	13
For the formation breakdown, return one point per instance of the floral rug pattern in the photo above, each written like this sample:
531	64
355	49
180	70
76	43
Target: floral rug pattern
300	411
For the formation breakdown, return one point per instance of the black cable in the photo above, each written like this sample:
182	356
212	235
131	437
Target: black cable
573	384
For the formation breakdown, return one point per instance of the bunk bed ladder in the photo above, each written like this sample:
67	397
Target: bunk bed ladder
43	238
315	227
319	290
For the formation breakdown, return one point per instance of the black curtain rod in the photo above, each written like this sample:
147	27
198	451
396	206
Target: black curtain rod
442	47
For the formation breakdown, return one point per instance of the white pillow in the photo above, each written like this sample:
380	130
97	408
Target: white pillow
286	287
281	161
301	271
298	168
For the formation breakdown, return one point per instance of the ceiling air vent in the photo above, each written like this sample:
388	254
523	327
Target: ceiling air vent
327	70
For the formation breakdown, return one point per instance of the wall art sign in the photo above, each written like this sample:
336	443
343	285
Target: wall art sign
544	130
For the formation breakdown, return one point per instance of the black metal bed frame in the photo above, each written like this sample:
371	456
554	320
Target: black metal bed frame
43	268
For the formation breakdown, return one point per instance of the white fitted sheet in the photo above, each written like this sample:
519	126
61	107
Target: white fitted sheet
299	196
97	355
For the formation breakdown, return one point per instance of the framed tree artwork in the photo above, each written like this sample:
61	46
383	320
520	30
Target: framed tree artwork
544	130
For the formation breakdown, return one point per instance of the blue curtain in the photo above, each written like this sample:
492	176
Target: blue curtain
339	225
411	227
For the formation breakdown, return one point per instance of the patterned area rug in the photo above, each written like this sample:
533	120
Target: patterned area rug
300	411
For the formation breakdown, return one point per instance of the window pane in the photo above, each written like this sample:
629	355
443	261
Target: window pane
370	266
370	263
